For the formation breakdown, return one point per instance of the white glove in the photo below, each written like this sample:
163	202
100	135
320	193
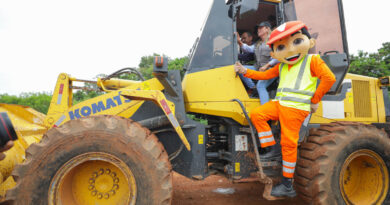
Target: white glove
314	107
239	68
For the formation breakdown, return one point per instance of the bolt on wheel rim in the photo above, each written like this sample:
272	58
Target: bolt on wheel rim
93	178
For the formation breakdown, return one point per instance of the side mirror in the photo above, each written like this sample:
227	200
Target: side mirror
248	7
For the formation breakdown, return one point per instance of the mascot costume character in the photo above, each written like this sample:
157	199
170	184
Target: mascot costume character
297	95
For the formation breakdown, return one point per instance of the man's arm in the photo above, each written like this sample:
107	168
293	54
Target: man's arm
248	49
244	47
238	39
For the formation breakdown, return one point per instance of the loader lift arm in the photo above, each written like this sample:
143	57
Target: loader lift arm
122	98
159	98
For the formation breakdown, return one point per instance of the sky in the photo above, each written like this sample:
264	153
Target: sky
42	38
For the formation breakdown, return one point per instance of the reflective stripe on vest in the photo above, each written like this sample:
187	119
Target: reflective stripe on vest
280	98
296	86
304	92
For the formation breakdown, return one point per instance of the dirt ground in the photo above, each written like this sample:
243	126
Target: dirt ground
190	192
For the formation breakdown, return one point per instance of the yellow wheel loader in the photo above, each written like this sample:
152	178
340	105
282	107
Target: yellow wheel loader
122	146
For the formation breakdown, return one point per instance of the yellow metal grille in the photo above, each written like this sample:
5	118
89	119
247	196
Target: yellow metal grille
361	98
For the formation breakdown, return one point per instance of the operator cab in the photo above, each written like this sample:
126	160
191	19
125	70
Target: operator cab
217	45
266	11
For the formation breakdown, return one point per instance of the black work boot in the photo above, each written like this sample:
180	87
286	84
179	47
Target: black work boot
271	153
284	189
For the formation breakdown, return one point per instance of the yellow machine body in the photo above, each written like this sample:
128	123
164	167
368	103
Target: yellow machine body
111	103
213	94
122	101
29	127
207	92
123	98
363	103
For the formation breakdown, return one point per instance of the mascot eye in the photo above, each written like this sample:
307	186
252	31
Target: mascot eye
280	47
298	41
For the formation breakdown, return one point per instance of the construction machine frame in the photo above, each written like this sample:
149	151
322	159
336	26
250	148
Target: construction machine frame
120	147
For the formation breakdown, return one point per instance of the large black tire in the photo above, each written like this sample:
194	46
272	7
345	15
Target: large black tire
329	150
125	140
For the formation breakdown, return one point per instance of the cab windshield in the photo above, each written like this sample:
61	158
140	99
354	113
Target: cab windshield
214	47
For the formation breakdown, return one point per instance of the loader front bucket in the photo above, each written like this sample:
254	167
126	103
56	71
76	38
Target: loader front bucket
28	124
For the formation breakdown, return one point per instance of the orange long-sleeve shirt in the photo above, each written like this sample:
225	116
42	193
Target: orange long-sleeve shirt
318	69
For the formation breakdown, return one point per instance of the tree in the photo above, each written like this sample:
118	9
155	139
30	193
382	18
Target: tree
178	64
372	64
384	52
82	95
146	64
38	101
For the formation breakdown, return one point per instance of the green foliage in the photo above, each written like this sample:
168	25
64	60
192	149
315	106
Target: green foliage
372	64
146	65
200	120
384	54
41	101
129	76
82	95
91	91
38	101
178	64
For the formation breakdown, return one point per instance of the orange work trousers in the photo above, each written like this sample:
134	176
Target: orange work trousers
291	120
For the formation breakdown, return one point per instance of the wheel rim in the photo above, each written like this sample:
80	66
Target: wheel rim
93	178
364	178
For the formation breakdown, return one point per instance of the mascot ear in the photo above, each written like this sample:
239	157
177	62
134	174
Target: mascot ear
312	42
